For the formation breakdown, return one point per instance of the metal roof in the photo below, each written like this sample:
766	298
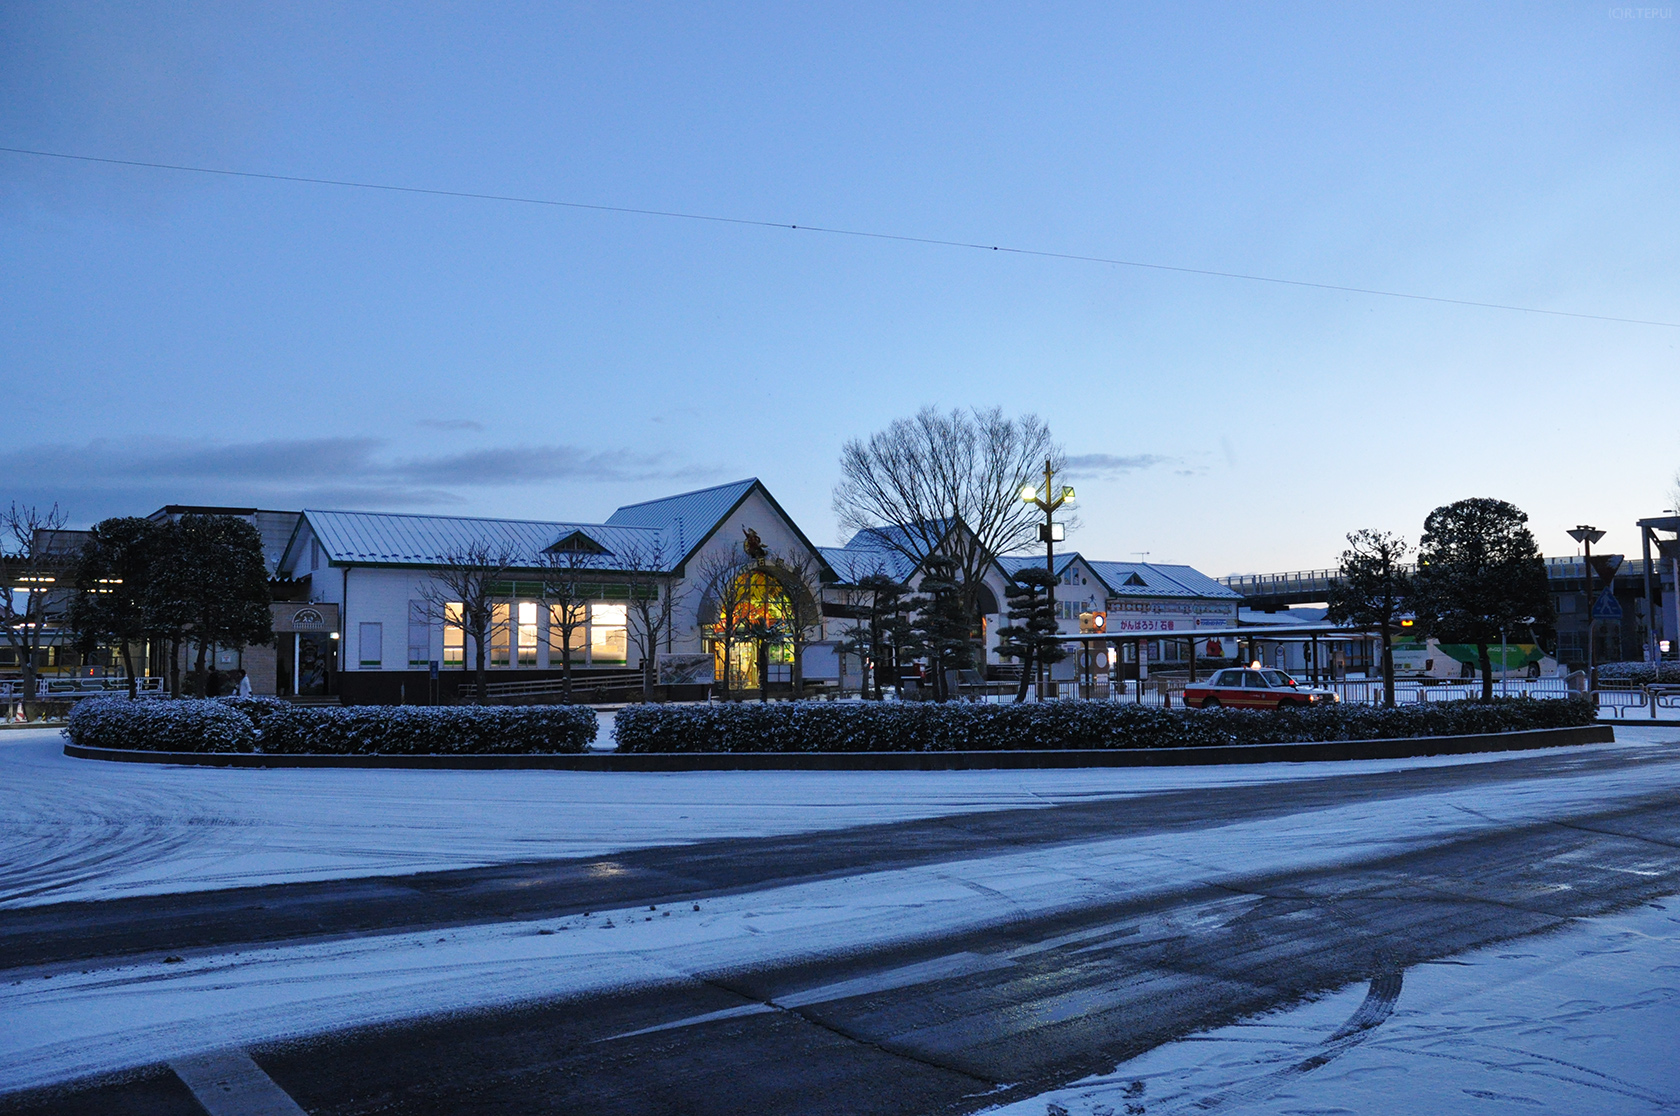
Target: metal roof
1160	580
1013	562
383	538
687	517
852	563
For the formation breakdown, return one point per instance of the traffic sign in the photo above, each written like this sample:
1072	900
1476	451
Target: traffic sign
1606	607
1606	565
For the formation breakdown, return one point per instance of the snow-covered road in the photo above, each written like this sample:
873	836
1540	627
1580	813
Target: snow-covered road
839	938
1583	1020
87	830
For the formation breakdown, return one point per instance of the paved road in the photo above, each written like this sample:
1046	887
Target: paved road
967	1018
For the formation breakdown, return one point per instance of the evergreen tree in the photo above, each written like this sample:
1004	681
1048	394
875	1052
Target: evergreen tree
1480	576
209	583
1372	588
1030	635
113	586
873	638
943	625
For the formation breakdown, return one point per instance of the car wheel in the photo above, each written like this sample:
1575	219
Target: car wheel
1283	706
1210	703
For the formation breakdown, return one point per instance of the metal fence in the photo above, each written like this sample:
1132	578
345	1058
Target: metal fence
73	689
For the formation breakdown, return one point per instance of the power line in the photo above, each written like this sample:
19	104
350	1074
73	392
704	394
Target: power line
829	230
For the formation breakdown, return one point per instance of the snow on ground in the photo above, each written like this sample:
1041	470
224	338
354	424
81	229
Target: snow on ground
1583	1020
65	1021
87	829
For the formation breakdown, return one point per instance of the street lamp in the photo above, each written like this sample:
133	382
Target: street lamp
1586	536
1049	532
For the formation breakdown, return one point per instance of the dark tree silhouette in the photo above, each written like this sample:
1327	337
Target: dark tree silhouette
1479	574
1373	588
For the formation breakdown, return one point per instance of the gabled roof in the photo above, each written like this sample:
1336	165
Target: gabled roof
895	537
1013	562
675	525
389	539
688	516
688	519
1159	580
853	563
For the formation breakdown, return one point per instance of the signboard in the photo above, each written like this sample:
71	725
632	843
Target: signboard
1605	567
1168	614
1606	606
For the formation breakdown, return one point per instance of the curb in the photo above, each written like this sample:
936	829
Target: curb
1517	741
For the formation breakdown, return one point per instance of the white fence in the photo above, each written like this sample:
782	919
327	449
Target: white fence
72	689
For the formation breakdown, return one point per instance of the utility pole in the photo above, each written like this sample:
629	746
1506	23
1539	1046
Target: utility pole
1586	536
1049	533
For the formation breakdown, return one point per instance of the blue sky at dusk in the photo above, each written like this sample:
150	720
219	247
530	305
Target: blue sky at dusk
172	337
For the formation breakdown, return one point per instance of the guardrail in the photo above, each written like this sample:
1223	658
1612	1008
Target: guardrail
73	689
555	687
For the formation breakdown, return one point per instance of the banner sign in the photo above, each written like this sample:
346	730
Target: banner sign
1169	614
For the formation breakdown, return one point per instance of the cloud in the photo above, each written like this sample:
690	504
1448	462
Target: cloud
107	477
1101	466
534	464
450	424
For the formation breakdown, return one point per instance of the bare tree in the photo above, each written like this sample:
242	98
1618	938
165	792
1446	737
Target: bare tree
726	605
800	578
567	596
917	479
654	597
34	561
463	594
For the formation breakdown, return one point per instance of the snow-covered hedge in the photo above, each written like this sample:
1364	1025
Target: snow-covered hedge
818	726
1644	673
274	726
428	730
161	726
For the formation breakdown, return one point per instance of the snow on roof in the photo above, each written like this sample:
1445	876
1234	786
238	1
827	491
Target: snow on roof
1159	580
387	538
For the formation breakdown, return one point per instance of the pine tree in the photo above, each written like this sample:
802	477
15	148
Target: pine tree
1030	635
1480	576
113	578
1372	588
943	624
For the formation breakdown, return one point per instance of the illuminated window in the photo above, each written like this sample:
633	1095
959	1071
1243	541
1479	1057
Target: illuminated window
454	636
558	616
500	621
608	642
527	633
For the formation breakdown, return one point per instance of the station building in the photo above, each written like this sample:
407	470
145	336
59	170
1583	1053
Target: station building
373	614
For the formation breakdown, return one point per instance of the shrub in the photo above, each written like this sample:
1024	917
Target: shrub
429	730
815	726
160	726
1643	673
255	706
273	726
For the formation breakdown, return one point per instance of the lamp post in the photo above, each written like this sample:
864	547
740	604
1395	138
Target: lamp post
1586	536
1049	532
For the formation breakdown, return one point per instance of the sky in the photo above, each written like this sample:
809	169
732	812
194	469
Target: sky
172	337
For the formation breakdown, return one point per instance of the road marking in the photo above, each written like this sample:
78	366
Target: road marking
228	1083
925	972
